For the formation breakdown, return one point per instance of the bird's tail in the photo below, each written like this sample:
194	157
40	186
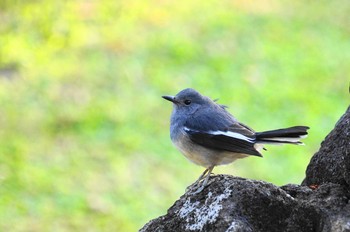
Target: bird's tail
291	135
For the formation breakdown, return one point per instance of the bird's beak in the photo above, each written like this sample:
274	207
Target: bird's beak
169	98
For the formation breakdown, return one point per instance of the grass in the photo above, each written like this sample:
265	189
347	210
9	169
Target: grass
84	139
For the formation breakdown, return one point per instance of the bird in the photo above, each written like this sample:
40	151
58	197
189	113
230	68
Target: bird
208	135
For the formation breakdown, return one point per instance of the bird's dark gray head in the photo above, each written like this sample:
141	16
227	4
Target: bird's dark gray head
187	97
188	101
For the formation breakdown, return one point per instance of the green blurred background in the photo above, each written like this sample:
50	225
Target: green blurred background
84	137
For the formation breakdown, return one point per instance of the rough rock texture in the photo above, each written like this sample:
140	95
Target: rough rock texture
331	164
229	203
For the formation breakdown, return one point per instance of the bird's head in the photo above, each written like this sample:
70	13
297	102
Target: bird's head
188	100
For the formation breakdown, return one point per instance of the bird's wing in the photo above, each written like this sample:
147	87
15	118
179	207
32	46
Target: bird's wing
236	138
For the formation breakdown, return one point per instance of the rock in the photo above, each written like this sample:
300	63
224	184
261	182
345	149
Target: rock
331	164
230	203
234	204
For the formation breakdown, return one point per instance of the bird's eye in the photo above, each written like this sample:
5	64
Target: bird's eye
187	102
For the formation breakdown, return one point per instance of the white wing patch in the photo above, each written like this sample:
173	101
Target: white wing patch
228	134
232	135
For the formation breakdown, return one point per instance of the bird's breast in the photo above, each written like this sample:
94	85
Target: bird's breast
201	155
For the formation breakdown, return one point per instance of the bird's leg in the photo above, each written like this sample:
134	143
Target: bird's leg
196	183
204	183
201	176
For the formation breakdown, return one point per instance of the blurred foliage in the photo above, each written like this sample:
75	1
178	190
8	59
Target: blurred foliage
84	140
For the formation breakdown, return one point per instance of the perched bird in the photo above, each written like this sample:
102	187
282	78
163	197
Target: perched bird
208	135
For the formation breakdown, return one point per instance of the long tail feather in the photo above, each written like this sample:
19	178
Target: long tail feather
291	135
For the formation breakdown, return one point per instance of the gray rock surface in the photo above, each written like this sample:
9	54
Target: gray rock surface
331	164
230	203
